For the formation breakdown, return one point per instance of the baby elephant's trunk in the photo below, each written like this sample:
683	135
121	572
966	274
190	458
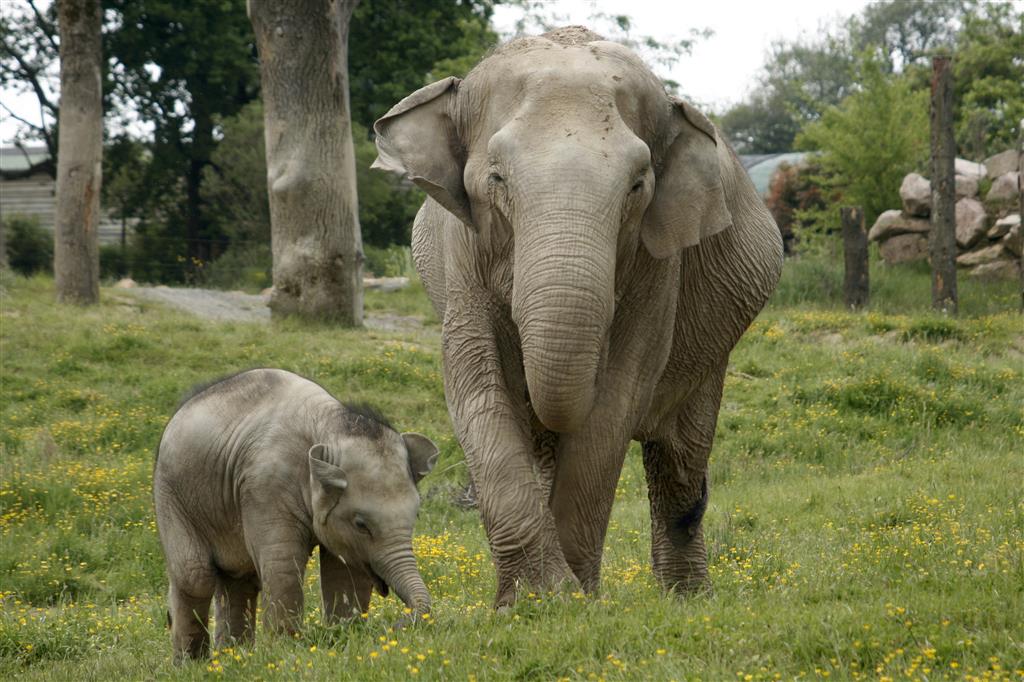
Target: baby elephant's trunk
398	569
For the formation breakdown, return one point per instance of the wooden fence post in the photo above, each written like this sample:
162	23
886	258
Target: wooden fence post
855	250
942	237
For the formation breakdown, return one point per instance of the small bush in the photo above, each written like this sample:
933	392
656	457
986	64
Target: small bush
391	261
113	261
245	267
29	246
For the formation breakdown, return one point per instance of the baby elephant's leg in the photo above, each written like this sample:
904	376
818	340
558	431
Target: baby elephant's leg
346	590
189	613
236	610
281	562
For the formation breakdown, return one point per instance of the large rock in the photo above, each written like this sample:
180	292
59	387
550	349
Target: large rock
966	186
1013	240
1004	189
970	222
894	222
1004	268
985	254
916	194
969	168
1002	163
904	248
1003	226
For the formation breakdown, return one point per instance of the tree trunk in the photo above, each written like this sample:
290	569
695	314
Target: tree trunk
311	174
76	261
855	248
942	238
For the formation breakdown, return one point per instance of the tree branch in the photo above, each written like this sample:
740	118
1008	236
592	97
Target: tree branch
45	26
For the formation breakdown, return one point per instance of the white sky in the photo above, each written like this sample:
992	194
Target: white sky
721	70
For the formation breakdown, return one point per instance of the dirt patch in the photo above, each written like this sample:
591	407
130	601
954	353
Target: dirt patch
238	306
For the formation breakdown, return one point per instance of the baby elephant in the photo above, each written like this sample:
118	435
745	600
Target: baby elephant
255	470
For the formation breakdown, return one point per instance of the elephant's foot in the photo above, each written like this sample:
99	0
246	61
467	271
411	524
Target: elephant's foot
681	568
540	577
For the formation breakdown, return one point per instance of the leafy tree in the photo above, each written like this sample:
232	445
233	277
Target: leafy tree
28	63
397	46
988	74
764	124
873	138
178	67
908	32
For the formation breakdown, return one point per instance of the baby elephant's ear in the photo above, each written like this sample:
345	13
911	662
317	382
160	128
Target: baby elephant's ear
325	477
422	454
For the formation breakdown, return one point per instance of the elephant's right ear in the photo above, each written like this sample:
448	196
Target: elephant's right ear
689	196
327	480
418	137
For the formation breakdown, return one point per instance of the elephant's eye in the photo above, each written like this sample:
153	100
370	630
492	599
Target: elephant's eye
495	178
360	523
637	186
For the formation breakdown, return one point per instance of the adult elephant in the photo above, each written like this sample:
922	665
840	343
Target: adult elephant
595	251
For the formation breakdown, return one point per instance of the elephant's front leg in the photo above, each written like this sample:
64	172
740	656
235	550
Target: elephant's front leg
345	590
676	463
492	423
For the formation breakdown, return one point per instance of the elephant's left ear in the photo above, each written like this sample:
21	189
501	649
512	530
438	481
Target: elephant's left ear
689	199
418	137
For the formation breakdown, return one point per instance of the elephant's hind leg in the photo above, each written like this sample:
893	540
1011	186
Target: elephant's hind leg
189	614
676	466
236	609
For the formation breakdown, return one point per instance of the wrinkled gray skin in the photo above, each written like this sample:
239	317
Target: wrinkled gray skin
255	471
595	251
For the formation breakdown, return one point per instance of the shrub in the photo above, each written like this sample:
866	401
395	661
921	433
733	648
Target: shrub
29	246
243	266
801	199
392	261
113	261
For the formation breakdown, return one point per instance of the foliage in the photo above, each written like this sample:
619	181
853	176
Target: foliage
29	246
245	266
236	179
802	78
113	262
396	46
798	198
872	139
392	261
909	32
988	75
860	522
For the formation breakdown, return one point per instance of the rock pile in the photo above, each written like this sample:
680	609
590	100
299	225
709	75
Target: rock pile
988	231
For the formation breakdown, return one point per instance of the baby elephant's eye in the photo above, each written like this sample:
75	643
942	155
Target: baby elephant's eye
360	523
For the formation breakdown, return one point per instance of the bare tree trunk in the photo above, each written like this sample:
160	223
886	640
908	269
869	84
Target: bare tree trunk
76	259
855	250
311	174
942	238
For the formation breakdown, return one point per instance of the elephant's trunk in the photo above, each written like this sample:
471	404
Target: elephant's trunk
563	300
398	569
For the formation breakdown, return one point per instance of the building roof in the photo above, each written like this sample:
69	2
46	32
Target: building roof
761	167
13	159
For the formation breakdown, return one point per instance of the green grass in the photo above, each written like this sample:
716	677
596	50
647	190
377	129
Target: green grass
866	518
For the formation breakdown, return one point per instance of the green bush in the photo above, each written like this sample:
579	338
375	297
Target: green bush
29	246
390	261
113	261
245	266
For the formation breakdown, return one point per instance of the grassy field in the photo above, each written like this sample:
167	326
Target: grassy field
866	517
